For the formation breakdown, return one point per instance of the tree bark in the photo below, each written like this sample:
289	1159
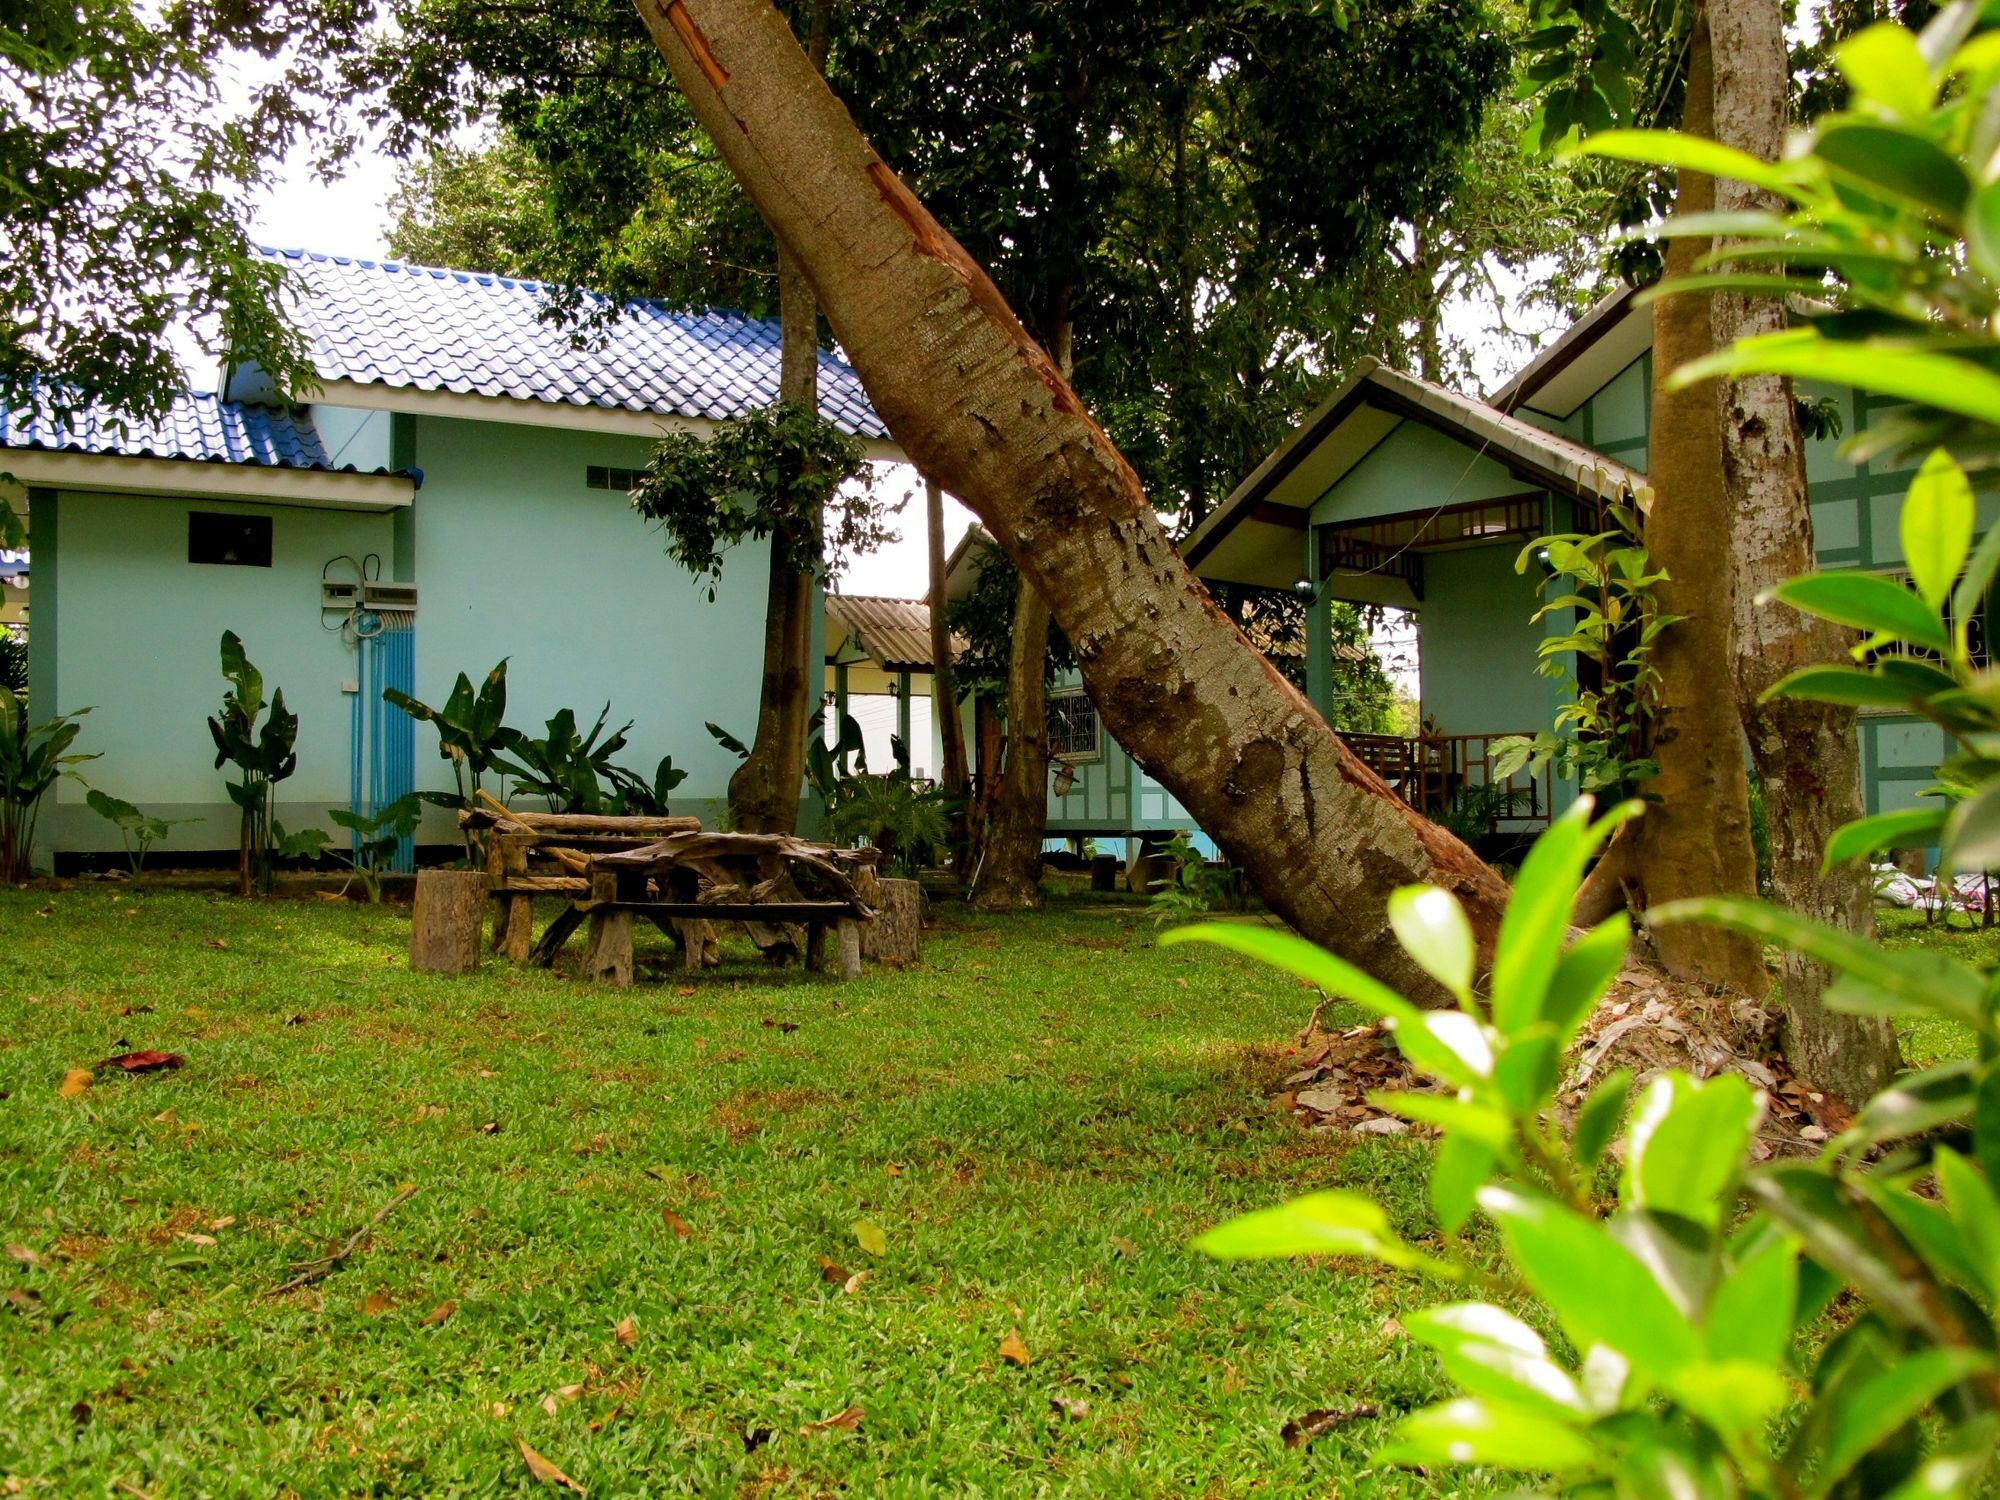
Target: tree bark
944	682
1696	840
1010	874
976	403
764	792
1807	754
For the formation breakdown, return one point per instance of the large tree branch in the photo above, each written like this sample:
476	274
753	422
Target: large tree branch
978	405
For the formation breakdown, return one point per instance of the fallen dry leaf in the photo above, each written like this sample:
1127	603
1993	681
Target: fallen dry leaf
144	1062
24	1255
570	1392
848	1420
439	1313
869	1236
1076	1410
676	1223
626	1331
1124	1247
893	1170
549	1405
222	1223
501	1408
545	1471
76	1081
1013	1350
853	1283
376	1303
199	1239
832	1272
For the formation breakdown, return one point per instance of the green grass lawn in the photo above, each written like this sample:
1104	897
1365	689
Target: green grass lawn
1038	1119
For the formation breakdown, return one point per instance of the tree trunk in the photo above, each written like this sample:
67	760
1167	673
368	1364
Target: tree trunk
944	683
896	935
1696	840
1010	874
445	921
764	792
976	403
1807	755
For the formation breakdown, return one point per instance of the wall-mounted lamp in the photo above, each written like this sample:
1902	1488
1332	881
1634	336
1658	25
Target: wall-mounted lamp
1305	588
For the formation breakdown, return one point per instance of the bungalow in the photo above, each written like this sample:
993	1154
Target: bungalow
1397	491
455	494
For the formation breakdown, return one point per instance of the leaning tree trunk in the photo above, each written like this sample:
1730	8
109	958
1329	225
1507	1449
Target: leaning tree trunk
764	792
944	680
1695	841
1010	873
976	403
1807	754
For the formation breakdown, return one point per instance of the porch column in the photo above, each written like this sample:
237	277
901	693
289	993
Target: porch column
903	713
1319	637
839	698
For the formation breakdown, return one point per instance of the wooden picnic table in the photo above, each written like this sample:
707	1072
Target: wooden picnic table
676	875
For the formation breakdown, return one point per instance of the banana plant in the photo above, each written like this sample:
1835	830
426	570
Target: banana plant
472	734
137	830
263	755
32	758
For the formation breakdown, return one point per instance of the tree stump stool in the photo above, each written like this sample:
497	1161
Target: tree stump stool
447	920
898	929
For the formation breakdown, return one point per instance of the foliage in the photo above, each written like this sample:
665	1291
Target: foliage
1610	685
137	830
1475	807
472	732
130	174
32	758
577	775
376	835
1889	244
1195	887
781	473
14	662
1681	1305
905	821
263	757
984	617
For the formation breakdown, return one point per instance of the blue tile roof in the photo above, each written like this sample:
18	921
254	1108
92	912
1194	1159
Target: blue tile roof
417	328
197	427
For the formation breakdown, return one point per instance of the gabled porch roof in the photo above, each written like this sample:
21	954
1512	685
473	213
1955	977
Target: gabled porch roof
1254	536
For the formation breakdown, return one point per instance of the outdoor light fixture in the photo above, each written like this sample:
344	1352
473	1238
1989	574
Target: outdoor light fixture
1305	588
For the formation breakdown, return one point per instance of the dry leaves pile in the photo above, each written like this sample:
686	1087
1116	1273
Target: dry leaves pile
1647	1023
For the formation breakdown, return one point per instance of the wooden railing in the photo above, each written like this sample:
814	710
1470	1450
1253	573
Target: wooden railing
1429	771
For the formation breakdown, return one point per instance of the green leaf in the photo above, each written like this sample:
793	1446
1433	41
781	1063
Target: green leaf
1751	1314
1472	1431
1897	163
1852	687
1432	927
1532	929
1928	379
1929	1230
1927	981
1340	979
1881	1404
1329	1223
1937	523
1598	1290
1809	1203
1492	1353
1912	1105
1597	1121
1585	972
1976	1213
1915	828
1455	1116
1462	1166
1887	70
1685	1144
1867	602
1668	148
1954	1468
1972	832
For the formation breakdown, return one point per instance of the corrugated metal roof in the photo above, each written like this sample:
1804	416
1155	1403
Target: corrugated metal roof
420	328
198	428
894	632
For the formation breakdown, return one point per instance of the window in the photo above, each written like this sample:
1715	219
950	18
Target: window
229	541
598	477
1073	726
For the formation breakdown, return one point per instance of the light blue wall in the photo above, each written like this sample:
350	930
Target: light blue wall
517	557
1413	468
514	556
1478	657
136	627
